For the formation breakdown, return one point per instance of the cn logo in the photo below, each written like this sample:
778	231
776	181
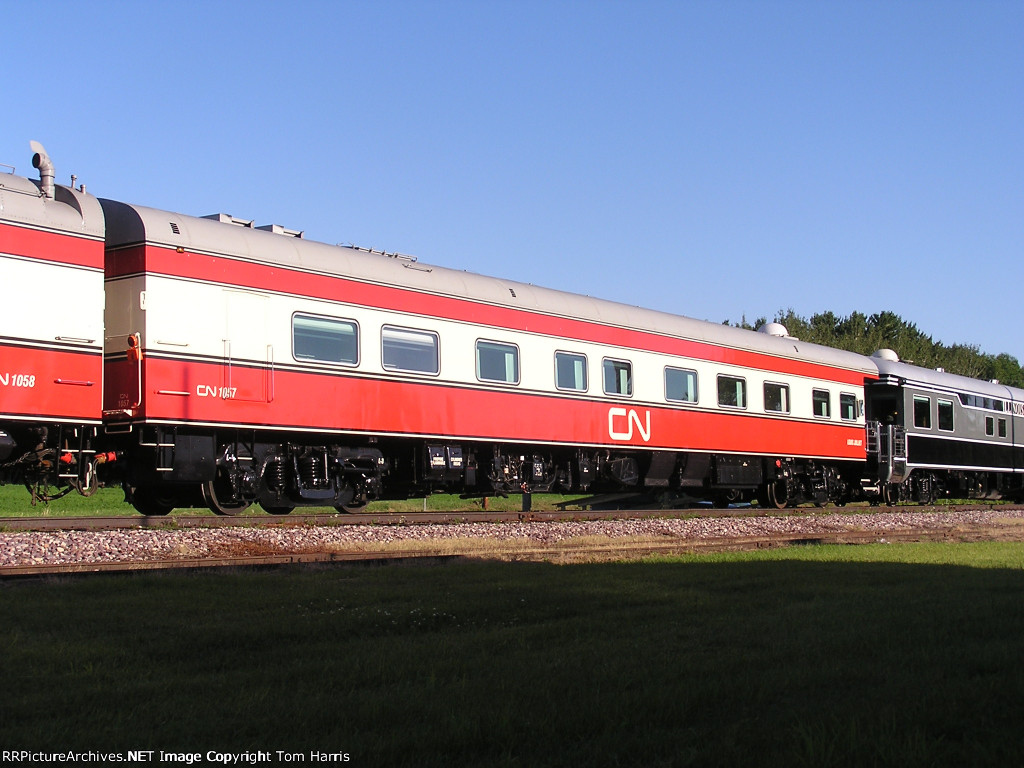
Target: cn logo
621	422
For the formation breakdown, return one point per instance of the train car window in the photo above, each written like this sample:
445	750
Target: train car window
732	391
821	401
776	397
618	377
922	412
847	406
976	401
405	349
990	426
571	371
1002	427
680	385
497	362
325	340
946	415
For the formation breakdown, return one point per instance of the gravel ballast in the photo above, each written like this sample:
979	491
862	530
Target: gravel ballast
140	545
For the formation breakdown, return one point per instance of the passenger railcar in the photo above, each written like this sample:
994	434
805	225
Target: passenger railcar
935	434
205	361
51	338
264	367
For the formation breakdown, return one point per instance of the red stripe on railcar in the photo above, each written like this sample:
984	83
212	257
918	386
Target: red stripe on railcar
73	250
279	279
195	392
47	384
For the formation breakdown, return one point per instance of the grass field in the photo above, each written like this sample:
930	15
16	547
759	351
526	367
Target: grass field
818	656
15	502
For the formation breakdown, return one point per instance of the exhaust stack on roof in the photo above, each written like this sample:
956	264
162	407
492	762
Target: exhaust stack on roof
42	161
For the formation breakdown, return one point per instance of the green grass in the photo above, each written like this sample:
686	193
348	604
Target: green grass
819	656
15	502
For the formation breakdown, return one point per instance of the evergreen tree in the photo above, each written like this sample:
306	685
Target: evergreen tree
887	330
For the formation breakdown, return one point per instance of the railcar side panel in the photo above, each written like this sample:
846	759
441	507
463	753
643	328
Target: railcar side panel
51	336
194	392
276	279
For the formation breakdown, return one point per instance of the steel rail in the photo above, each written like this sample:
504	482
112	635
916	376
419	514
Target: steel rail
172	522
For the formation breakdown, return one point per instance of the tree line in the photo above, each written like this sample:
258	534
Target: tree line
865	334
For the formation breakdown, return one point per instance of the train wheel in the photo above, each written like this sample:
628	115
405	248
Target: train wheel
216	494
277	510
351	500
778	494
357	504
350	509
150	502
890	495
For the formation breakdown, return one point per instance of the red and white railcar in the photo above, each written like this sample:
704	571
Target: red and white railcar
51	331
249	364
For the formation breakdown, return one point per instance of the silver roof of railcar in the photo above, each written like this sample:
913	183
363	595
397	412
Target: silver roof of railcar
129	224
72	211
946	381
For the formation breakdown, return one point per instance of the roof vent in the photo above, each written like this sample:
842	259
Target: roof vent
774	329
277	229
887	354
227	218
42	161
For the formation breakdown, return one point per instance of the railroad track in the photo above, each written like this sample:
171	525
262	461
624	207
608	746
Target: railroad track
246	557
170	522
365	518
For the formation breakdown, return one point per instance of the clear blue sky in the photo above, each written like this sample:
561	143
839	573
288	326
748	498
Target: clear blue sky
714	159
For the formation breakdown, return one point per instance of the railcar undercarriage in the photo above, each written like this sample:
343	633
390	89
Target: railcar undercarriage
51	461
229	470
927	486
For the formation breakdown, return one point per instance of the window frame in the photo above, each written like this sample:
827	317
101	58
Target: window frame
495	343
851	399
787	399
735	379
815	400
357	332
926	400
604	376
586	371
418	331
696	384
952	419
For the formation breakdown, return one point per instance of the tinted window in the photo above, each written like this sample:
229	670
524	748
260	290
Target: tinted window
946	415
404	349
571	371
776	397
497	362
990	425
848	407
324	339
732	391
822	402
681	385
618	377
1002	427
922	412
